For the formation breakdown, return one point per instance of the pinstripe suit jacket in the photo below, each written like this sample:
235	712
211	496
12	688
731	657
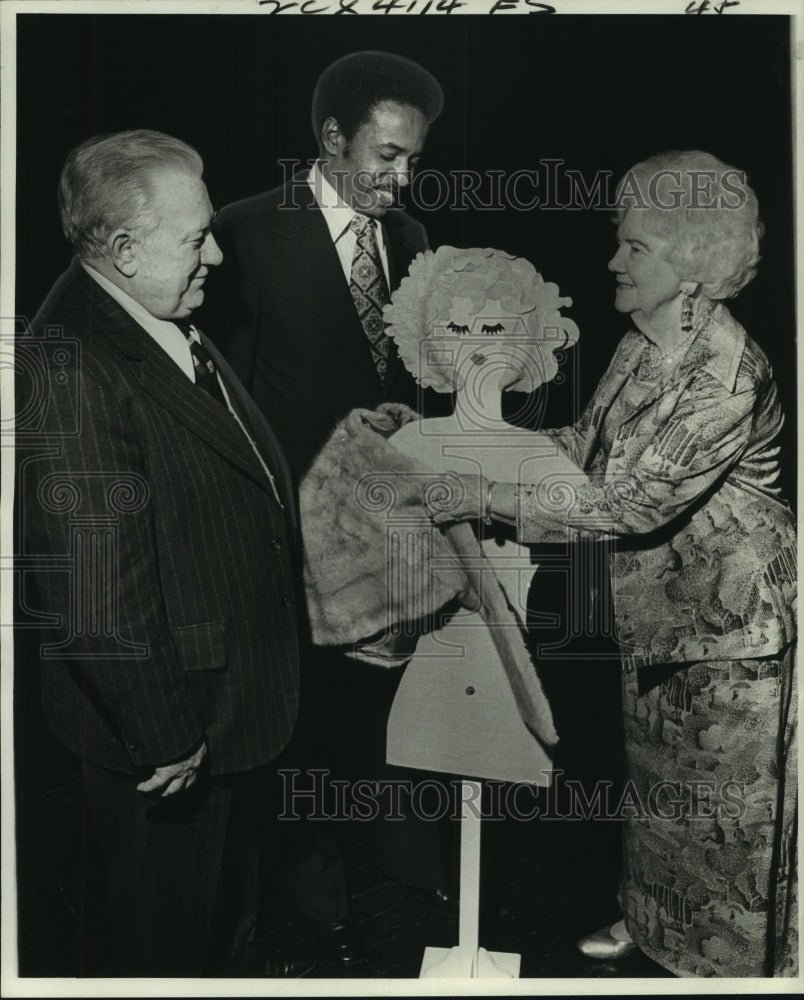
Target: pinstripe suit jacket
159	552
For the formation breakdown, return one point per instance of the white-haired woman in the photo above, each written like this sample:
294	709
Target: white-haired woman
680	444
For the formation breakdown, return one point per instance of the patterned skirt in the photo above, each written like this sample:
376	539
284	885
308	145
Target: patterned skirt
709	883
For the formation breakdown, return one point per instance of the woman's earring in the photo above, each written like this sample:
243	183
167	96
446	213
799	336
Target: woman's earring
686	313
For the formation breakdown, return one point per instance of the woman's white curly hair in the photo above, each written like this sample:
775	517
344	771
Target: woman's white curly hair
424	301
704	210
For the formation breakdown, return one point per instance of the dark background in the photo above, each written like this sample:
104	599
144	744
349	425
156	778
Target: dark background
598	92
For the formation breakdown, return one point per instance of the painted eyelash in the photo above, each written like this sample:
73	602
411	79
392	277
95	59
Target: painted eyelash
497	328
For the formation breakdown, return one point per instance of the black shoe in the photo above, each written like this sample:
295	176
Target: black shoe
288	961
337	941
285	960
441	900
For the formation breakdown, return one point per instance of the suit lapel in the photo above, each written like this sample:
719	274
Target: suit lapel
164	383
398	263
313	267
265	438
316	266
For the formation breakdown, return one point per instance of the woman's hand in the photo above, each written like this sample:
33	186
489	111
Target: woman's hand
455	496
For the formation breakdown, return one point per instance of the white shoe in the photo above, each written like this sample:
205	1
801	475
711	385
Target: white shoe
610	942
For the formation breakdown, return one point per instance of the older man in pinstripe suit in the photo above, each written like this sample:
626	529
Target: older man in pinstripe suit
171	667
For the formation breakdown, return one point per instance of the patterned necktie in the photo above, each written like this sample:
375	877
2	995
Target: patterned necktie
206	376
370	290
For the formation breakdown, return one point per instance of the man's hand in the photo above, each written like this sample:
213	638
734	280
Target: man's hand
456	497
172	778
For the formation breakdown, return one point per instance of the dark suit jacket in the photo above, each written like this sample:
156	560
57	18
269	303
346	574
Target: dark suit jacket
173	609
287	320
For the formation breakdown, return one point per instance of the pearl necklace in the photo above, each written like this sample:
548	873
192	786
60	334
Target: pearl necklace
652	364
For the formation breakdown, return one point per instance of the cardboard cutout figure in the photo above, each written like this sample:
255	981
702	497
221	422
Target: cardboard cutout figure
384	580
477	322
390	587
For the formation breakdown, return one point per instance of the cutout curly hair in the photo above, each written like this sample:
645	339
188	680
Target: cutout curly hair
424	301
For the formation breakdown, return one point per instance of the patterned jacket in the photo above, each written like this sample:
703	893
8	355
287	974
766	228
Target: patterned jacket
704	566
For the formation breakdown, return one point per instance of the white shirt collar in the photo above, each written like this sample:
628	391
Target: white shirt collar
132	307
337	214
163	331
174	343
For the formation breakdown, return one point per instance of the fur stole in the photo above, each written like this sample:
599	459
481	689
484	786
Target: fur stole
374	563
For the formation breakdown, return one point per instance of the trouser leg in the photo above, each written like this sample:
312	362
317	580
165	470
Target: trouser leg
163	860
